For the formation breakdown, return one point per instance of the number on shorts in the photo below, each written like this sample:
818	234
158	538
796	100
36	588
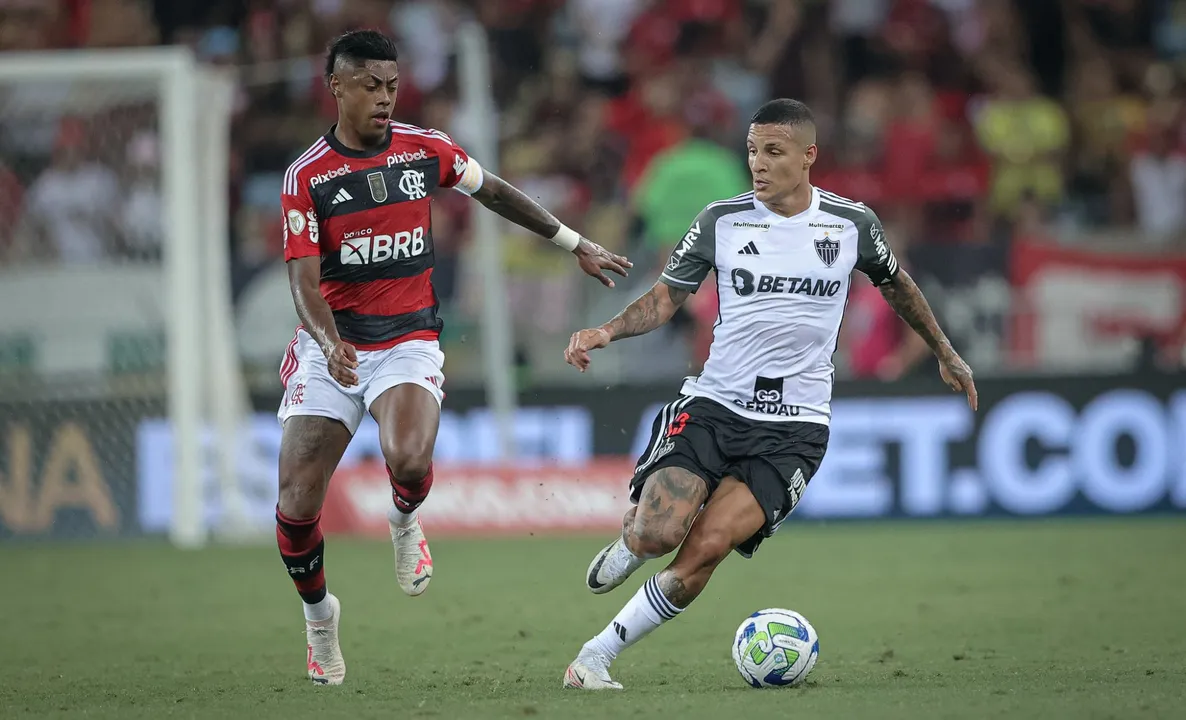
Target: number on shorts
678	424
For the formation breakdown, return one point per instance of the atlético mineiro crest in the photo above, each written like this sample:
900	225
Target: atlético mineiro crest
827	249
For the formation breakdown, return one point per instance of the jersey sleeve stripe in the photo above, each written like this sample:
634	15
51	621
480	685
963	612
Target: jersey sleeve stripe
843	202
406	126
720	210
291	178
288	174
294	184
837	198
689	283
417	128
749	196
419	132
320	143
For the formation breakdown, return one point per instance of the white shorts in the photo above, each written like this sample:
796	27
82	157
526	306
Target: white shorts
309	389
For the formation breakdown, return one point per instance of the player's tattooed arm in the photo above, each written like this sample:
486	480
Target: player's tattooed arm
513	204
304	279
905	297
646	313
639	318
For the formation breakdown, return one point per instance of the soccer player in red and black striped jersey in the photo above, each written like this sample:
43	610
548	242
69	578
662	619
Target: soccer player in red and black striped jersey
359	248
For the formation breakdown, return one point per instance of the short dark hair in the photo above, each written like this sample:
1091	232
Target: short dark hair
359	46
784	111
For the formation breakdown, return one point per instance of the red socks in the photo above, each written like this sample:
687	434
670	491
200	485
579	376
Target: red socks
409	497
302	547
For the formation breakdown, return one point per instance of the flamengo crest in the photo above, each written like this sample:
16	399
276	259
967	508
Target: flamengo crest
412	184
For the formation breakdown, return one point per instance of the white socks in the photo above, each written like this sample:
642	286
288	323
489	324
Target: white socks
647	610
318	611
400	519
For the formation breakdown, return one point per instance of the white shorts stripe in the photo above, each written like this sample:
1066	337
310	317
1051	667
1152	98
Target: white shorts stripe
311	390
664	421
289	367
668	414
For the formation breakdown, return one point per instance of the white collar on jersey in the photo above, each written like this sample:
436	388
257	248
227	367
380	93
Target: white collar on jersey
776	218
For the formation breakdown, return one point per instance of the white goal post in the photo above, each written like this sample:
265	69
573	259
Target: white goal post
203	385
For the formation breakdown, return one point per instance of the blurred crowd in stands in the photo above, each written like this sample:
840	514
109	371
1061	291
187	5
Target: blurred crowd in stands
969	125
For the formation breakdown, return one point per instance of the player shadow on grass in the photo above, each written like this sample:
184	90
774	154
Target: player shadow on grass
805	686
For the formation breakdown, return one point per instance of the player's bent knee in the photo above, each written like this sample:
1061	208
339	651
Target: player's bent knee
301	495
652	542
408	469
408	461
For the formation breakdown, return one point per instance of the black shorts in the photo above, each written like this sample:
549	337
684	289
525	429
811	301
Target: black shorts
776	460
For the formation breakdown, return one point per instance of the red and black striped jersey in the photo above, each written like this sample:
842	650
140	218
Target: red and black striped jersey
367	215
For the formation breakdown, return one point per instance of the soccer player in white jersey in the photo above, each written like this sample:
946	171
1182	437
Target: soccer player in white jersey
736	450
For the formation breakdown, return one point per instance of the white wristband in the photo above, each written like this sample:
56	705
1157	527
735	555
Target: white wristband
567	238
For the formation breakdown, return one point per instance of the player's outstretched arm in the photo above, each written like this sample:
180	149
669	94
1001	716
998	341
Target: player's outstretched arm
304	279
905	297
511	203
639	318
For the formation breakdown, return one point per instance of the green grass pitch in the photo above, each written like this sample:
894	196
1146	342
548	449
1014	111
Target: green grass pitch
1057	619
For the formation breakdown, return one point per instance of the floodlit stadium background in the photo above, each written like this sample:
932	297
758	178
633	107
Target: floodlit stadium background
1028	160
1028	168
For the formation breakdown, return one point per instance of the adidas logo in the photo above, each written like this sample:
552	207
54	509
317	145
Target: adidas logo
749	249
621	631
343	196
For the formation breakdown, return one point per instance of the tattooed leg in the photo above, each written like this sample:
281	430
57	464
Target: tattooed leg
731	517
670	501
310	448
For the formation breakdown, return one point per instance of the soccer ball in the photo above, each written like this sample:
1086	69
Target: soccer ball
775	648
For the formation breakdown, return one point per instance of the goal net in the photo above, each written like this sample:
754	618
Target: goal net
120	394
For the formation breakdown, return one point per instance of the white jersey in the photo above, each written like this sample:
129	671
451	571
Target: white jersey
783	285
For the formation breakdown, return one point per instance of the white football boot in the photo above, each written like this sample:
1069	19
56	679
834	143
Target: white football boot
324	656
413	562
590	671
611	567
